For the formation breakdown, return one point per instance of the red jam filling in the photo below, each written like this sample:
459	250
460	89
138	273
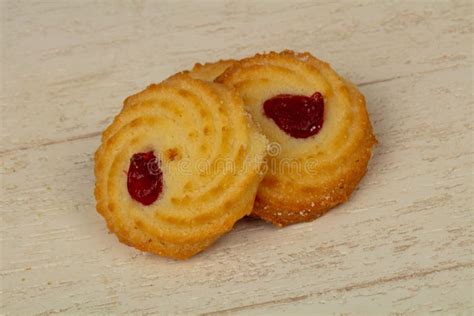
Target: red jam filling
144	178
298	116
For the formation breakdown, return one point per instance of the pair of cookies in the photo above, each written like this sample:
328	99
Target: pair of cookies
184	160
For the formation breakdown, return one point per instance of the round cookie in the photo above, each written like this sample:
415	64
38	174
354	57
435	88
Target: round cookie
319	131
178	167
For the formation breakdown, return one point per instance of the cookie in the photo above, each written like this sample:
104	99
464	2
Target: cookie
320	135
210	71
178	167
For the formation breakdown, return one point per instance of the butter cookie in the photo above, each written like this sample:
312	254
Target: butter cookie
320	135
178	167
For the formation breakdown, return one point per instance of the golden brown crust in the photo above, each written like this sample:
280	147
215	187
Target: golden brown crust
340	152
210	71
186	122
322	200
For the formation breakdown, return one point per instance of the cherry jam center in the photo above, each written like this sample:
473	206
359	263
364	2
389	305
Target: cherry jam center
297	115
144	178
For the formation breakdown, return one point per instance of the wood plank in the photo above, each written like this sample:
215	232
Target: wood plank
404	239
407	294
67	67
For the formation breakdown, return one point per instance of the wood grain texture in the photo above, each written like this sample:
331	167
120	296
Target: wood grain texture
403	243
83	58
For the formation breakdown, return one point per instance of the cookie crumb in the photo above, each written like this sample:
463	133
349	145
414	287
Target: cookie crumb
172	154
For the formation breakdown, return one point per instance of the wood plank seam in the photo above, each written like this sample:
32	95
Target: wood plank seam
420	274
95	134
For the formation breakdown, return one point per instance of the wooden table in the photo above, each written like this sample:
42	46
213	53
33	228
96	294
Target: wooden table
403	243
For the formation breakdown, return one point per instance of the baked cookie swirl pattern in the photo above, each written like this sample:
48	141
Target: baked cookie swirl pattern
178	167
319	131
210	71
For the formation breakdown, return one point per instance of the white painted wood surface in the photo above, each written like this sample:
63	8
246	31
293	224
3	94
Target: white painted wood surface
403	243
